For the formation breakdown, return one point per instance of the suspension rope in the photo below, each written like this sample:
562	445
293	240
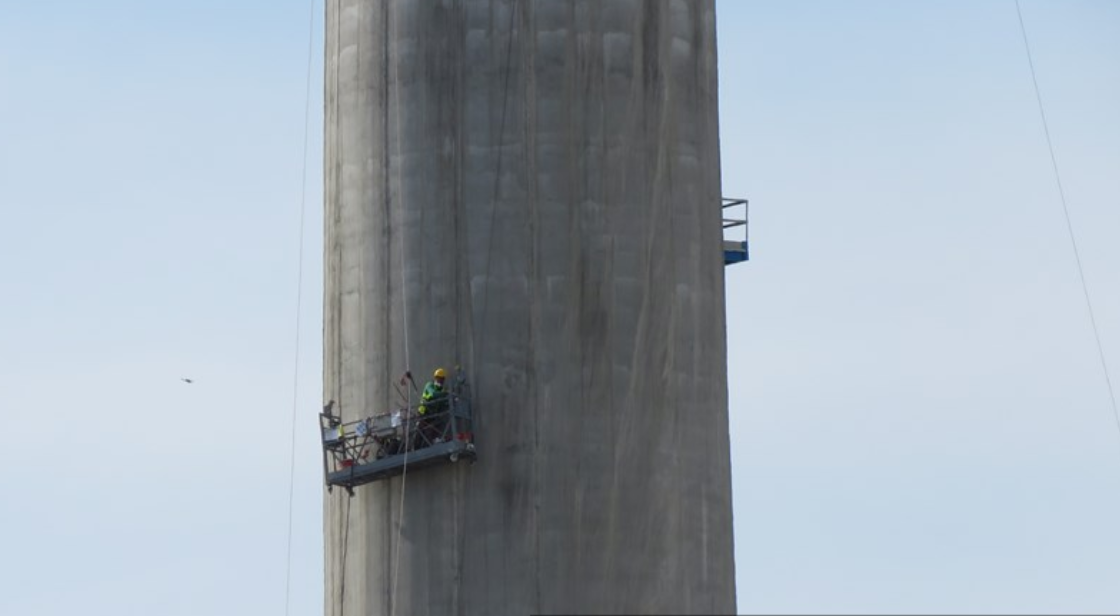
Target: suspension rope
497	174
1069	222
404	304
400	185
400	513
506	70
299	306
395	22
342	568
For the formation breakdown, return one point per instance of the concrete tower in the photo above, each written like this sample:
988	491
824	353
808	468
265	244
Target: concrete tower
530	189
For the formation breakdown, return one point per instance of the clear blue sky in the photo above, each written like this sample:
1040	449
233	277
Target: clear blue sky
919	418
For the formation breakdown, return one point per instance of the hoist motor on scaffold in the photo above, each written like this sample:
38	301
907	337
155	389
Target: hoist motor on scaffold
438	430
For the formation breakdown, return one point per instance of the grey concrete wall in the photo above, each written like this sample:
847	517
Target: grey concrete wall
530	189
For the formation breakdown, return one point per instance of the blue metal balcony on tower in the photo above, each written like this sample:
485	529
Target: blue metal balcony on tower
735	249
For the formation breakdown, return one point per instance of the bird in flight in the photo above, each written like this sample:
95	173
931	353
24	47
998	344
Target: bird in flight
186	380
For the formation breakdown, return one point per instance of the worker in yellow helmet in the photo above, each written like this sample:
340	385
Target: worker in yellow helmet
433	392
433	401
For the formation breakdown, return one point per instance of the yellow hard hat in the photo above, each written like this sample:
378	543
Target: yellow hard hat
440	373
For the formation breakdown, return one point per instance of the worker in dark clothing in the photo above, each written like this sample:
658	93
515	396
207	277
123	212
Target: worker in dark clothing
433	404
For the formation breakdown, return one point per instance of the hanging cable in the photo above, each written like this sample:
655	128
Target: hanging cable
395	23
299	306
497	172
1069	222
342	567
506	69
404	304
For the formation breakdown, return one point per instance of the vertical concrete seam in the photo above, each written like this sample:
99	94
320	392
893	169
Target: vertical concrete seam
530	96
462	300
698	266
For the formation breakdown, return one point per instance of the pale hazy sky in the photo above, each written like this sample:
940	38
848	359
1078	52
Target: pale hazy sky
919	419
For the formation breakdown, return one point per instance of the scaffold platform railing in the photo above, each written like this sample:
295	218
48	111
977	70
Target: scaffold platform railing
385	445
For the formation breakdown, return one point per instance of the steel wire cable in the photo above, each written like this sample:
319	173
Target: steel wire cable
404	305
1069	222
299	305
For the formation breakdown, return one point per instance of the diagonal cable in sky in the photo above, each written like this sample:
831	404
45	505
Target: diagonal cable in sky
1069	222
